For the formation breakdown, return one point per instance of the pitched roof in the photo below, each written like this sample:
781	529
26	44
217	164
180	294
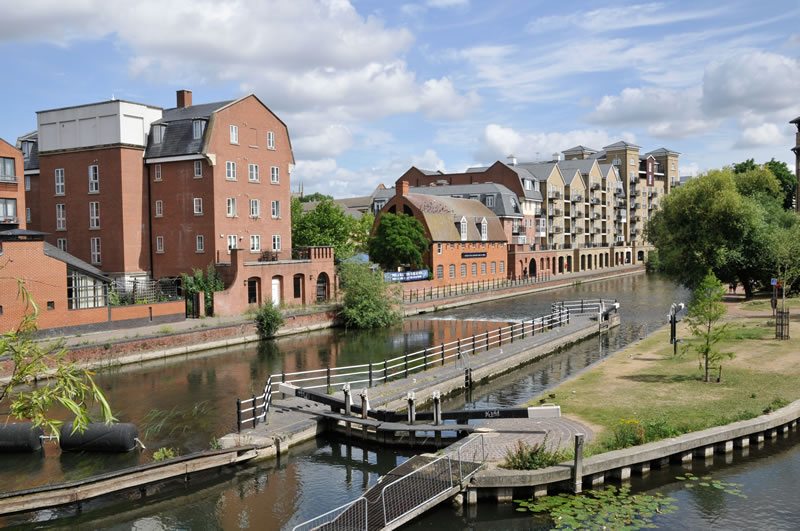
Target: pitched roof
505	203
76	263
443	215
621	145
662	151
582	165
570	174
178	137
579	149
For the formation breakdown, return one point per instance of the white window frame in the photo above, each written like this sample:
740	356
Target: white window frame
94	214
61	216
197	204
198	169
463	229
94	244
252	173
528	184
274	175
60	181
255	208
276	209
276	242
270	140
452	271
255	243
61	243
159	244
159	208
197	129
28	183
234	134
199	244
484	230
27	215
230	170
489	201
94	179
633	161
157	172
158	133
233	242
438	248
230	207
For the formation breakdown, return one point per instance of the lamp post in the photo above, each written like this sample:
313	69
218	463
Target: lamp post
673	322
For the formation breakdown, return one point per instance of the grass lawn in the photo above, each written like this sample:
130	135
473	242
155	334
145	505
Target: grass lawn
646	383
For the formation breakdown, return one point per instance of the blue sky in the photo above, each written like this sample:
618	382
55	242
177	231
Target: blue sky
370	87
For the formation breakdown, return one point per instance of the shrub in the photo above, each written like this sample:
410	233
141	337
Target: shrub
369	302
524	456
626	434
268	320
164	453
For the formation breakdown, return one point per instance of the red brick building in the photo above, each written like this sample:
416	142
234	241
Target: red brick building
467	240
12	192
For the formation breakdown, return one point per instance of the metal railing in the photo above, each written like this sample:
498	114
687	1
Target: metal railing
137	291
583	306
257	412
404	496
475	286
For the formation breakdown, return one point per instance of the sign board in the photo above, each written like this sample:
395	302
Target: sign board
774	281
473	255
405	276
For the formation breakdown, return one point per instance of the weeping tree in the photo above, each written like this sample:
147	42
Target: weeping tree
705	311
67	386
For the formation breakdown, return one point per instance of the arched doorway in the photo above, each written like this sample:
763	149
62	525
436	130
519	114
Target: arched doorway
299	286
560	264
322	287
253	290
583	262
569	264
541	264
640	256
627	257
277	289
532	268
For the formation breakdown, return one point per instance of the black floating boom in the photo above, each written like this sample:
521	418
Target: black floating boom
20	437
99	437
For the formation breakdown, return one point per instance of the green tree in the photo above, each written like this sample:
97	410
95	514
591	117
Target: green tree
268	320
758	183
368	301
398	239
316	196
749	164
787	258
705	311
208	283
362	230
327	224
787	179
67	386
708	224
297	217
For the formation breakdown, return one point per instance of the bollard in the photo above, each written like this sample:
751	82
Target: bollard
487	340
437	408
364	403
577	470
412	413
425	359
328	378
442	354
347	399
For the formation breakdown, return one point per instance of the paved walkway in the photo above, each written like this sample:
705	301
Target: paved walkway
501	435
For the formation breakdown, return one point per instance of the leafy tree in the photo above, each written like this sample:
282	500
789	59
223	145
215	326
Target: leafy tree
67	386
368	301
749	164
398	239
787	258
758	183
787	179
361	234
316	196
268	320
327	224
297	216
705	310
209	282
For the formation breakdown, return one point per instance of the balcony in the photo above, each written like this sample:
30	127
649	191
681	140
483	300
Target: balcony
554	212
558	229
634	230
596	215
577	198
634	206
597	230
577	213
554	195
636	218
594	186
519	240
634	179
595	201
620	203
10	179
10	220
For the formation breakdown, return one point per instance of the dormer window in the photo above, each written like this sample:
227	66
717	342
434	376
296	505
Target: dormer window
536	185
26	149
490	201
528	185
197	128
484	230
463	229
158	133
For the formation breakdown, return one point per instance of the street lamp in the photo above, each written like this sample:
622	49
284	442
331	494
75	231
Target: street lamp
674	310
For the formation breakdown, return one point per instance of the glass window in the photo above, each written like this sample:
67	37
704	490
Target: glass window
232	242
200	243
157	174
439	271
7	169
94	179
474	269
230	205
198	205
28	215
255	243
27	183
230	170
490	201
62	244
255	208
61	216
483	268
274	175
252	174
494	268
95	250
198	168
270	140
276	209
159	244
94	214
158	134
159	208
502	266
463	270
276	242
234	134
59	181
484	230
197	128
463	230
452	271
439	248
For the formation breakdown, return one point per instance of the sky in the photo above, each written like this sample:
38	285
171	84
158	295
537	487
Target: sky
369	88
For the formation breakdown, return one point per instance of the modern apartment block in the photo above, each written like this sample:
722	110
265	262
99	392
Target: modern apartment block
582	213
12	191
138	191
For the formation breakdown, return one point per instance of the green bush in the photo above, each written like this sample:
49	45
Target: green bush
369	301
164	453
627	433
524	456
268	320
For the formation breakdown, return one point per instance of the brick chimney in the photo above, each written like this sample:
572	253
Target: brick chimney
402	189
184	98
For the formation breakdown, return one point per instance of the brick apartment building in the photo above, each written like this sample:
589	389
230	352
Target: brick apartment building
138	191
12	193
585	212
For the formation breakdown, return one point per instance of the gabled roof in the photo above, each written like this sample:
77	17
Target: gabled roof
431	172
32	162
663	152
505	203
578	150
621	145
442	216
582	165
795	121
178	137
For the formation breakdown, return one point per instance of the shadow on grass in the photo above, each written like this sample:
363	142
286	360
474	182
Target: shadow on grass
660	378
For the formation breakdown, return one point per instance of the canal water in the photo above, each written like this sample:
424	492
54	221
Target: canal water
185	403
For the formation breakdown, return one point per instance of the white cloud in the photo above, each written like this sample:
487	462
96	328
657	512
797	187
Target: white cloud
762	135
428	161
614	19
498	142
447	3
333	141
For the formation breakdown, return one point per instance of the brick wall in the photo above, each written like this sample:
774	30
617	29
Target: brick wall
14	190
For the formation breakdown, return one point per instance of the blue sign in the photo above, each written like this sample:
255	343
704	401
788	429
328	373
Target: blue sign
405	276
774	282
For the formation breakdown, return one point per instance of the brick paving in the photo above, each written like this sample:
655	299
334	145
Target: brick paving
502	435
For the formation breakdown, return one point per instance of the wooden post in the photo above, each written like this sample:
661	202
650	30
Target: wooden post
328	379
425	359
442	354
487	340
239	415
577	469
385	370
